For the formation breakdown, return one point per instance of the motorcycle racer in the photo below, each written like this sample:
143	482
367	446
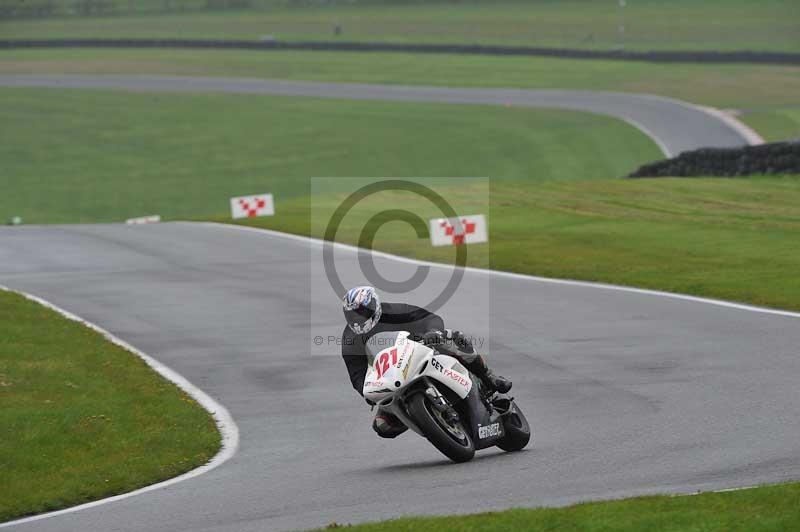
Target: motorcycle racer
366	316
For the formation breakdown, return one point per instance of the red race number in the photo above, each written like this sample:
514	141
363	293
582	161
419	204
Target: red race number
382	363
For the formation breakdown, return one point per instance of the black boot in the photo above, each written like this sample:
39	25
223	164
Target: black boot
495	383
492	382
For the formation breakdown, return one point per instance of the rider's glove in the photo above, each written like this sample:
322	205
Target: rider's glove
433	338
460	340
440	342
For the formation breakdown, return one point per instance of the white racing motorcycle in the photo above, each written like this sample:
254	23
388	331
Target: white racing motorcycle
435	396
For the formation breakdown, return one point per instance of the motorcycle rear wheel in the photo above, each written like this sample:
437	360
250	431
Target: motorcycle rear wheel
451	440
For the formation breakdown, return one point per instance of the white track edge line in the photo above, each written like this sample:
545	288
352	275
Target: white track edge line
663	147
225	422
747	133
511	275
753	138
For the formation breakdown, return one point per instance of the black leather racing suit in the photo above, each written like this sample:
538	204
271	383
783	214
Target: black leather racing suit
399	317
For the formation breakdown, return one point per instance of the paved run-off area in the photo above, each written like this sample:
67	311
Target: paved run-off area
628	392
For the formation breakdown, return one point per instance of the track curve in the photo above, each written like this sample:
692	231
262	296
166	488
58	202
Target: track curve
629	393
675	126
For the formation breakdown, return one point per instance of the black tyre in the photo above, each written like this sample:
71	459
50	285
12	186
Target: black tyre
451	439
517	429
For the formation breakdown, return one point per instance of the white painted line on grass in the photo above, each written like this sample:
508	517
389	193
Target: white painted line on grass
225	423
510	275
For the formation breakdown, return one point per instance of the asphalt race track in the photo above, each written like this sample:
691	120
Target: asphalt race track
675	126
628	393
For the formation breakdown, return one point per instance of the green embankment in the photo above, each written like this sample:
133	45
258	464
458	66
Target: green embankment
648	24
775	125
765	96
732	239
81	418
93	156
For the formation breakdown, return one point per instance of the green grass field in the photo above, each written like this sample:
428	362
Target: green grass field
649	24
766	95
91	156
82	419
707	237
776	124
764	509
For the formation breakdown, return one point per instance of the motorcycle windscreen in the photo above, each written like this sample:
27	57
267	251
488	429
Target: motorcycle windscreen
380	341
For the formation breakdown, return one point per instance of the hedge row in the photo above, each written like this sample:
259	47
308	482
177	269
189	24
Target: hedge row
775	158
779	58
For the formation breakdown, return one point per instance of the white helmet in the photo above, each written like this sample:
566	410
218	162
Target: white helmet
362	309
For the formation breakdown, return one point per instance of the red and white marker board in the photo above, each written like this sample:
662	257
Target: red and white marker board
252	206
469	229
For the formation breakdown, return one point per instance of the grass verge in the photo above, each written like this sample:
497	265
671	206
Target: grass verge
649	24
776	124
723	85
81	418
765	96
94	156
763	509
732	239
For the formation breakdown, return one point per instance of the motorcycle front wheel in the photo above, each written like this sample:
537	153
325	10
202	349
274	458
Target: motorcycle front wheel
450	438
